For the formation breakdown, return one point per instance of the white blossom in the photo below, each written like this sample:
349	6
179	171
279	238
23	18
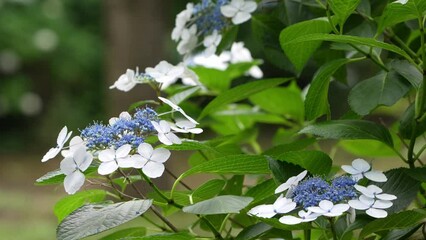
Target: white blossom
165	73
360	169
73	167
239	10
126	81
62	138
151	160
188	41
281	205
181	19
373	207
177	108
304	216
372	191
328	209
211	43
291	183
123	115
164	133
185	126
75	143
241	54
401	1
214	61
112	159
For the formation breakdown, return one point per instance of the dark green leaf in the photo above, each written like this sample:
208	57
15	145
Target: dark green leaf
129	233
402	185
316	102
262	191
408	71
219	205
345	39
406	126
396	13
165	236
418	173
343	9
395	221
383	89
293	146
68	204
350	129
95	218
284	101
241	92
209	189
299	53
316	162
253	231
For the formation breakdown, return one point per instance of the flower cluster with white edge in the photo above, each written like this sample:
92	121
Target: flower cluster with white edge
163	74
315	197
237	54
239	10
360	169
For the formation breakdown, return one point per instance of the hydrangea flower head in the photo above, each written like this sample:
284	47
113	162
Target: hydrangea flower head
311	192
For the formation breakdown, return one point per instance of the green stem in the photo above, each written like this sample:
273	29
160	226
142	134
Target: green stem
333	229
393	37
307	234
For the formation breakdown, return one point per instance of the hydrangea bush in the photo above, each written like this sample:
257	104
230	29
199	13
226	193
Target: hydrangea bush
292	189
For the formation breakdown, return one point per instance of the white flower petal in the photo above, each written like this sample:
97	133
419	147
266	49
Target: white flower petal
127	162
249	6
123	151
160	155
317	210
82	158
376	176
73	182
263	211
50	154
357	204
125	115
153	169
106	168
382	204
63	136
366	200
145	150
341	207
377	213
173	138
68	166
164	139
107	155
326	205
228	11
138	161
290	220
386	196
301	175
349	169
241	17
361	165
164	126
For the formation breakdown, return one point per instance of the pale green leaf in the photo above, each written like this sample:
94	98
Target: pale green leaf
209	189
219	205
95	218
241	92
350	129
299	53
129	233
343	9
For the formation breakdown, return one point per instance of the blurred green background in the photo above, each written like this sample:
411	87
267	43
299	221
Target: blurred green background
57	59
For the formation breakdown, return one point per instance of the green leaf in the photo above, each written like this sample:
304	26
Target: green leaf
316	162
408	71
95	218
402	185
183	95
274	222
129	233
209	189
57	177
316	102
233	164
406	126
68	204
366	148
383	89
350	129
190	145
141	103
253	231
166	236
345	39
219	205
299	53
262	191
218	80
284	101
241	92
396	13
287	147
395	221
228	38
282	171
343	9
418	173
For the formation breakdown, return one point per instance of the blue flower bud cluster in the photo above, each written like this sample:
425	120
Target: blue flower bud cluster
208	16
124	131
313	190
